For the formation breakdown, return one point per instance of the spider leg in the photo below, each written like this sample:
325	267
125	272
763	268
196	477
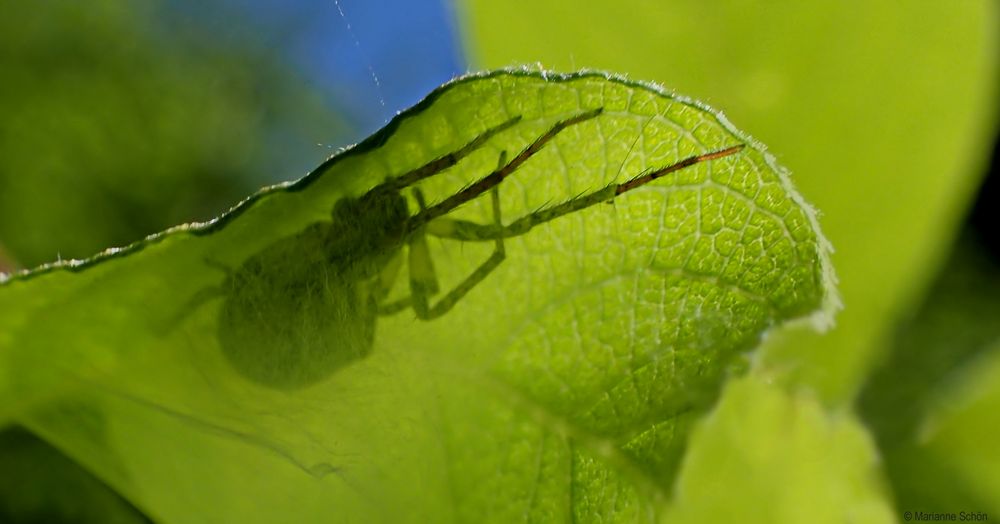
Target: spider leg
419	291
471	231
498	175
423	278
387	277
191	305
425	282
198	299
422	274
444	162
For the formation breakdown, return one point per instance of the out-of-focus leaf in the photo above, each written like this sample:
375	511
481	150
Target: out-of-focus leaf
959	319
560	388
766	456
923	402
113	130
955	460
39	484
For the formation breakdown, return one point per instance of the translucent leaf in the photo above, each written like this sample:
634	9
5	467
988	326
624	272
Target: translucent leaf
884	114
195	373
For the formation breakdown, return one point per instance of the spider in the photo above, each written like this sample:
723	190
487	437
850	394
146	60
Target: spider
308	304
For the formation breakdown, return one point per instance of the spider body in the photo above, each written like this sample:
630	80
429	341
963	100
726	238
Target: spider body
307	305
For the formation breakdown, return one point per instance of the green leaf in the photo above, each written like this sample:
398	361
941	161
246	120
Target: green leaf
562	386
778	458
954	461
41	485
955	324
930	405
884	112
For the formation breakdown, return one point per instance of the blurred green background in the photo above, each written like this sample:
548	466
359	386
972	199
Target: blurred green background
119	119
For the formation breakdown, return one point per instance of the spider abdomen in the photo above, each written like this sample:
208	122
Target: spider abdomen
292	317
